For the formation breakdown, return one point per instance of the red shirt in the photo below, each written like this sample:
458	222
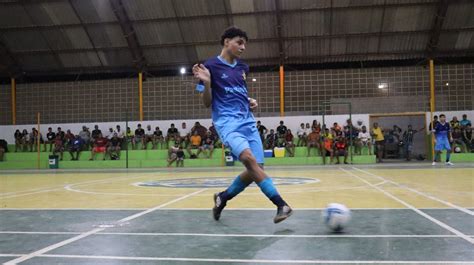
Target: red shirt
100	142
289	137
340	145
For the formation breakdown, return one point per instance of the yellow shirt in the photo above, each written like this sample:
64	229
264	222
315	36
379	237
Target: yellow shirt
196	140
378	134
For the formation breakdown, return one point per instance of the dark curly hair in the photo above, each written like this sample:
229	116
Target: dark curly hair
233	32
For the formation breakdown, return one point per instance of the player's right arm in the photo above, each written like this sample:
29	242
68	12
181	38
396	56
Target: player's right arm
202	73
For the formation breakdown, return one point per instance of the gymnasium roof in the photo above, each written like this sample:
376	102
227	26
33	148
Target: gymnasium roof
60	37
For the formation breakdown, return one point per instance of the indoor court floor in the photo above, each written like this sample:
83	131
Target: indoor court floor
401	213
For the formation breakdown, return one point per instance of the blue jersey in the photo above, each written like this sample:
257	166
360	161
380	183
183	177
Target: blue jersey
442	130
229	91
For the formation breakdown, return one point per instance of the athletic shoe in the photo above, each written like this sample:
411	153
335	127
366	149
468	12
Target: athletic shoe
434	163
218	207
449	163
282	213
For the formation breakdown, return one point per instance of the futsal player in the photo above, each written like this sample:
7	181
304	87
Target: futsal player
222	82
442	131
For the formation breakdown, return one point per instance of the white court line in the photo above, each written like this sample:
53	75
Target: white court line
434	220
202	209
11	255
256	260
96	230
231	235
462	209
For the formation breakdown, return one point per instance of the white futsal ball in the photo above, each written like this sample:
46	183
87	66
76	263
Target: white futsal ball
336	216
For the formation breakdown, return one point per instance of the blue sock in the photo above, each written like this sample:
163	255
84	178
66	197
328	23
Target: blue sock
448	156
235	188
270	191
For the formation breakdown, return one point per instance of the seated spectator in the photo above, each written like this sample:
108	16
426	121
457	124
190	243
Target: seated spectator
18	141
377	134
208	145
86	137
215	135
61	132
110	134
35	137
336	128
139	137
58	146
302	134
100	146
202	131
457	137
262	131
95	134
184	133
195	143
172	134
149	136
3	149
468	139
49	139
69	137
408	136
281	132
308	128
120	136
464	122
113	148
76	146
364	139
25	140
180	157
454	123
289	145
340	149
173	154
158	138
130	138
271	140
315	124
314	141
327	148
350	132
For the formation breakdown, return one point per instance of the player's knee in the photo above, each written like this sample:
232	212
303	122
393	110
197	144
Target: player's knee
247	158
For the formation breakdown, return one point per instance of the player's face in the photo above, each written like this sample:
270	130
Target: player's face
442	119
235	46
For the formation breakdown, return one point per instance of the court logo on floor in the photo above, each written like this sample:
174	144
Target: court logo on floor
218	182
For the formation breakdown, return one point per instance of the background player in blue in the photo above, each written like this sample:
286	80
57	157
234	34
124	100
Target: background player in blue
442	132
223	86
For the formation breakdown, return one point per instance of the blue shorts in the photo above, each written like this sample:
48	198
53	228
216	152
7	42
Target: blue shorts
239	137
442	144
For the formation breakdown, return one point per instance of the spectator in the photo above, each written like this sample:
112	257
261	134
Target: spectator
3	149
408	136
364	139
35	137
336	128
184	133
100	146
18	141
454	123
61	132
69	137
180	157
173	154
208	145
113	147
289	145
86	137
25	139
158	138
468	139
328	137
435	121
281	131
308	128
262	131
271	140
377	133
49	139
148	137
95	134
315	124
458	139
214	133
464	122
130	138
76	146
58	146
340	149
314	141
172	134
195	143
302	135
139	137
351	132
120	136
202	131
110	134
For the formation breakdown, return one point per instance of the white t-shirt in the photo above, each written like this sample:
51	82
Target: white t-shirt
110	134
364	137
120	134
184	132
300	131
